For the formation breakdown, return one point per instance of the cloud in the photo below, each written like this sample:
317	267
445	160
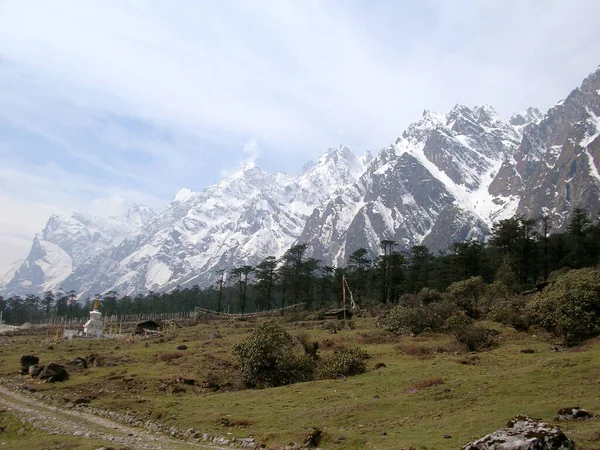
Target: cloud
251	151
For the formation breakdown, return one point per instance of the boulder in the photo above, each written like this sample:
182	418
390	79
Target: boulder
26	361
182	347
313	438
54	372
574	413
35	370
79	362
523	433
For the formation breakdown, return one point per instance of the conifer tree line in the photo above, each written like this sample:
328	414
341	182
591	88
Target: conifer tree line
520	252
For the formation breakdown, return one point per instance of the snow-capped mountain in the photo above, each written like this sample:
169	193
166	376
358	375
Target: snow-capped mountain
247	216
430	187
8	272
69	243
446	178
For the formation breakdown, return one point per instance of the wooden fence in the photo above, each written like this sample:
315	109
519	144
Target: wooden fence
137	318
270	312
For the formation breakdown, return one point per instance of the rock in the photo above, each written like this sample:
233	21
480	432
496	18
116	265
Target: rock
215	335
53	372
523	433
182	347
314	437
26	361
79	362
379	366
574	413
34	370
447	436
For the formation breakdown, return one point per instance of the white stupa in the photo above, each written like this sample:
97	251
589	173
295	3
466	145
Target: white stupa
94	327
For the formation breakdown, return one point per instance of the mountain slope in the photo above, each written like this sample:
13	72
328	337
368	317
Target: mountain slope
447	178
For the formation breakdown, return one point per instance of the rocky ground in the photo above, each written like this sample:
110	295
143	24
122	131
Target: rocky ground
54	420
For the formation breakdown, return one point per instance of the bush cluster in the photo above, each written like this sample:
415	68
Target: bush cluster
570	307
267	358
476	337
416	319
344	362
510	312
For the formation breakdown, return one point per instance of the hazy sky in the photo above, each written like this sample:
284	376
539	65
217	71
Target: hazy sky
106	103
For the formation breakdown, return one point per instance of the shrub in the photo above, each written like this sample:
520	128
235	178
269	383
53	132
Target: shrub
476	337
416	319
267	358
510	312
344	362
310	347
457	321
570	307
427	295
467	293
407	320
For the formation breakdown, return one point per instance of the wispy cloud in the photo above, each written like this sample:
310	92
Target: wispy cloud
251	151
110	102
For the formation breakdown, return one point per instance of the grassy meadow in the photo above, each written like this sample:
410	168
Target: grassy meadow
431	394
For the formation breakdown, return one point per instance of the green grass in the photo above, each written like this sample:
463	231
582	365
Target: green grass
387	408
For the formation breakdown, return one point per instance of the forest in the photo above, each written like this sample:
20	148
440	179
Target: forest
520	255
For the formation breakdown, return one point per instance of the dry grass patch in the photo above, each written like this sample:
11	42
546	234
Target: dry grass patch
423	385
234	423
167	357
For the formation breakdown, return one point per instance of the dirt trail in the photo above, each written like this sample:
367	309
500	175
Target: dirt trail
53	420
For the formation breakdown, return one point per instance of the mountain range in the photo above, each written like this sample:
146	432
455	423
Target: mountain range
446	178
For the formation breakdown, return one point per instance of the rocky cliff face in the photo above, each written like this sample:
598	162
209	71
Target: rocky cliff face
447	178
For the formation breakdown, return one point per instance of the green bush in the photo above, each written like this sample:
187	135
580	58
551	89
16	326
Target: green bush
344	362
416	319
407	320
570	307
467	294
476	337
457	321
510	312
267	358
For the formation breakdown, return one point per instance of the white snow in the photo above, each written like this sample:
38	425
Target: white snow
183	195
9	271
595	121
158	274
56	264
593	169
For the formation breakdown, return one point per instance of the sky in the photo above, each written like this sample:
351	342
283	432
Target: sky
108	103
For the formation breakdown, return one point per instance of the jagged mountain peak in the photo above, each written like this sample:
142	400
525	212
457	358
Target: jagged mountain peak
184	195
447	178
530	115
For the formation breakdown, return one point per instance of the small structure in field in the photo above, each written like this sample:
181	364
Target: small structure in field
94	327
339	314
147	327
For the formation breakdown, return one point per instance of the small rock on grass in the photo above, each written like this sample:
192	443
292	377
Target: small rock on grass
574	413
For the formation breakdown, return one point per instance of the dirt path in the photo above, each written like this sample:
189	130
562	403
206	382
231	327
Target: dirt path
53	420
